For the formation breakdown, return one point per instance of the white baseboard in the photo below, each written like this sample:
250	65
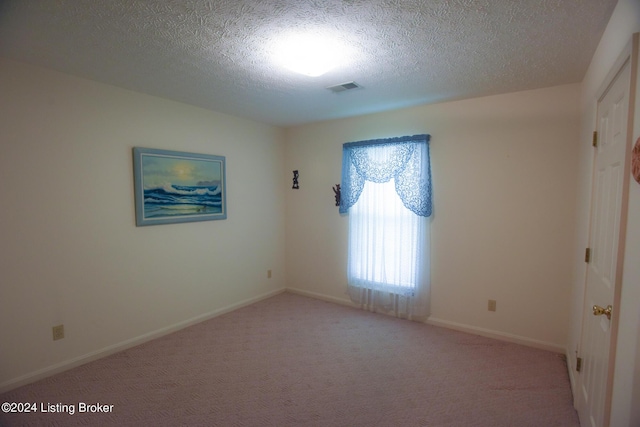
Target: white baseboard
502	336
94	355
341	301
571	370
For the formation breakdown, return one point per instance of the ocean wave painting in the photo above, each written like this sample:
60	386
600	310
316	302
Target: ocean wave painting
178	187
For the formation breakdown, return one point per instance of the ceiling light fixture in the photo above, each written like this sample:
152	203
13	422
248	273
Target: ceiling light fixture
312	55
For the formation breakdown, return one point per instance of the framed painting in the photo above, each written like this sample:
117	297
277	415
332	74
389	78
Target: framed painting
172	186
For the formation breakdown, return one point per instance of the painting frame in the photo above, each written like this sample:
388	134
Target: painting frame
175	186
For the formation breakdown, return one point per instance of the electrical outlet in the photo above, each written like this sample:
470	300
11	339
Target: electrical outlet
58	332
268	274
492	305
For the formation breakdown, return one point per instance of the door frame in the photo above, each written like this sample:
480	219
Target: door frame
628	54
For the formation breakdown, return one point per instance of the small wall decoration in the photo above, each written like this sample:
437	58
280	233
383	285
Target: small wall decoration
172	186
295	180
336	191
635	161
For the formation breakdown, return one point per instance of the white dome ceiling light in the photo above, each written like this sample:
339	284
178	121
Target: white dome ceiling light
310	54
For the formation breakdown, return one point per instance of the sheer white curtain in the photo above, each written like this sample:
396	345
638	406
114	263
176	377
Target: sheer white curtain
388	265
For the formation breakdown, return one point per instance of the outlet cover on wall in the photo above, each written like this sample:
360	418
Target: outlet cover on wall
492	305
58	332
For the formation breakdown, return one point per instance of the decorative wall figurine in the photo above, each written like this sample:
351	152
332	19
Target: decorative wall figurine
635	161
295	180
336	191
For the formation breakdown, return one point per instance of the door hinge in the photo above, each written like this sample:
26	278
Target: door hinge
587	255
595	138
578	363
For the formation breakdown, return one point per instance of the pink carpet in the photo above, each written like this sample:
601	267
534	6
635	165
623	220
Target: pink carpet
296	361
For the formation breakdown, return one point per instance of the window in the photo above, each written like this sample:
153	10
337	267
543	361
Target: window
386	190
383	240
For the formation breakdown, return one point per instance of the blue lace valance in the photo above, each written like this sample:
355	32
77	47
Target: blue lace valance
406	159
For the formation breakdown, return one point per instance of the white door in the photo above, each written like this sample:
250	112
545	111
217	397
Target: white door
604	268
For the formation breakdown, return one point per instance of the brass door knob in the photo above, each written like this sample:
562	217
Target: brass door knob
599	311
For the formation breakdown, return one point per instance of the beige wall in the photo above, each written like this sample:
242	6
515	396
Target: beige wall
625	409
71	252
504	174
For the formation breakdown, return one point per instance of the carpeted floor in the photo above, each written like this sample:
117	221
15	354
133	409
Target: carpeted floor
296	361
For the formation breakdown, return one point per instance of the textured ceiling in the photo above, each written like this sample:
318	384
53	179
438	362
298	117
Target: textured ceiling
217	54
